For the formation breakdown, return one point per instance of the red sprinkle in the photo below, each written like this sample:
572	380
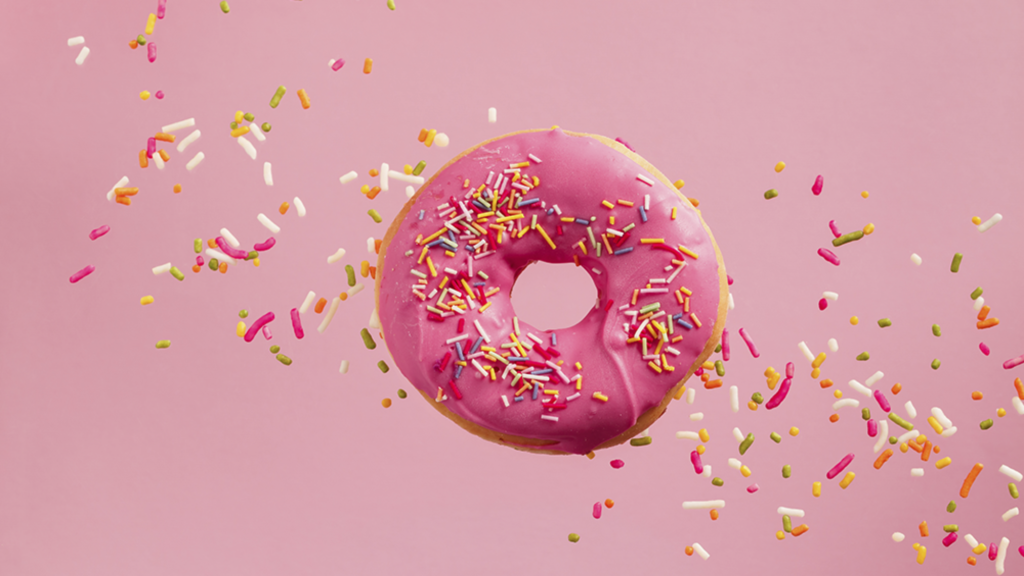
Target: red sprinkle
455	390
822	304
618	464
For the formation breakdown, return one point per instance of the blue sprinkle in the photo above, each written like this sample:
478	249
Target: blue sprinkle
518	399
527	202
583	222
684	324
451	236
551	211
434	243
541	372
677	316
536	390
469	248
481	205
458	348
479	284
422	213
458	371
476	345
554	339
622	251
643	214
517	358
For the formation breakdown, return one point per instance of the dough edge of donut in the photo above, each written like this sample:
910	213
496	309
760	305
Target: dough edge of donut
648	417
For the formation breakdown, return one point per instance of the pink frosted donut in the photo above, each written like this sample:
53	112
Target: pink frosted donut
450	259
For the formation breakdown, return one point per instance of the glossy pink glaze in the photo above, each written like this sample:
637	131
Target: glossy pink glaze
576	173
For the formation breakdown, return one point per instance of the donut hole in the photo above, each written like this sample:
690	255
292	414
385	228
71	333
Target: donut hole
553	296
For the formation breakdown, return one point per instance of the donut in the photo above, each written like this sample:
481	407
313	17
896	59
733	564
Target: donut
449	261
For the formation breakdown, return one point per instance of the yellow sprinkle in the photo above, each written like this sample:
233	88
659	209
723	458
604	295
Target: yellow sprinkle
607	204
780	535
819	360
944	462
673	216
752	405
652	240
864	194
780	166
239	131
745	471
240	329
794	431
567	219
430	264
520	164
504	219
551	392
815	373
687	251
838	394
685	290
700	449
407	169
816	489
625	203
979	549
679	184
386	402
854	320
1000	412
935	424
144	94
704	436
256	262
869	229
430	138
150	24
600	397
436	235
846	480
485	307
922	551
976	220
545	235
146	300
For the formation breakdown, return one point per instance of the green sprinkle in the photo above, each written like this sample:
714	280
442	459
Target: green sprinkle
863	356
951	528
391	4
718	348
771	194
163	344
951	507
419	168
787	523
955	266
275	349
893	440
252	255
884	323
249	116
865	413
401	393
644	441
224	6
900	422
197	245
717	481
375	215
776	437
745	445
234	125
719	368
787	470
986	424
1013	490
265	126
758	398
284	360
367	339
977	292
936	330
650	308
383	366
351	273
936	364
177	273
276	99
574	537
848	237
214	265
141	40
243	313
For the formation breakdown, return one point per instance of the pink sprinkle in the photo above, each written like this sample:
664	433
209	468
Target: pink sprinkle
840	466
151	47
883	403
161	9
728	279
835	229
624	143
99	232
698	466
150	147
725	344
1014	362
949	539
82	273
779	396
984	348
698	372
232	252
750	343
597	510
618	464
822	304
818	183
266	332
872	428
993	551
753	488
297	324
337	64
1021	550
790	369
199	260
259	323
265	245
828	255
455	389
159	94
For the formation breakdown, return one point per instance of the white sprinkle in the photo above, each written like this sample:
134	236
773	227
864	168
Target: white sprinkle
691	395
1016	476
806	351
952	430
82	56
274	228
696	416
442	140
595	270
268	177
833	344
734	398
504	399
1018	405
833	296
307	302
860	388
330	63
300	208
220	256
990	222
161	269
906	436
374	321
911	411
645	180
549	417
703	504
159	161
120	184
195	160
534	158
481	370
941	417
971	541
178	125
247	146
917	472
735	464
410	191
700	549
794	512
76	40
492	115
1010	513
336	256
570	398
707	471
1001	555
979	303
230	238
732	303
257	133
874	378
384	176
188	140
845	402
457	339
738	434
355	289
344	366
684	435
915	259
883	435
408	178
898	536
330	315
349	177
480	329
647	201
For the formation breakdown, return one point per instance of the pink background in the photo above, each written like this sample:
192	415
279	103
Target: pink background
211	458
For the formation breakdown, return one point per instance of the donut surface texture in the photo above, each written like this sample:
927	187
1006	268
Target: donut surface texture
444	283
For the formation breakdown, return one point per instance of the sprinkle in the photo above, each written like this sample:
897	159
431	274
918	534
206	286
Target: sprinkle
167	344
640	441
1010	472
848	237
955	265
840	466
829	256
82	273
884	323
82	56
700	551
195	160
703	504
846	480
274	228
645	179
995	219
965	489
268	177
1013	362
772	193
780	166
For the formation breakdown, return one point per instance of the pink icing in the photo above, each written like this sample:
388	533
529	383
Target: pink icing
575	173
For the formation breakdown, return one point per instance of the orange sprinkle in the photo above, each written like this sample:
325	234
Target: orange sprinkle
126	191
223	267
283	208
923	527
826	383
196	268
133	44
609	503
177	188
988	323
1020	388
714	514
926	451
374	173
694	202
983	313
386	402
752	405
976	395
713	384
320	305
212	242
688	550
965	490
164	137
896	388
833	418
368	66
800	530
304	98
376	246
343	296
882	458
373	272
164	155
373	192
143	161
423	135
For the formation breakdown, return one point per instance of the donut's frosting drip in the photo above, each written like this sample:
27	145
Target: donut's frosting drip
444	299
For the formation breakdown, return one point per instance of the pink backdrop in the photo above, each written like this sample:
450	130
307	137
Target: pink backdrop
211	458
